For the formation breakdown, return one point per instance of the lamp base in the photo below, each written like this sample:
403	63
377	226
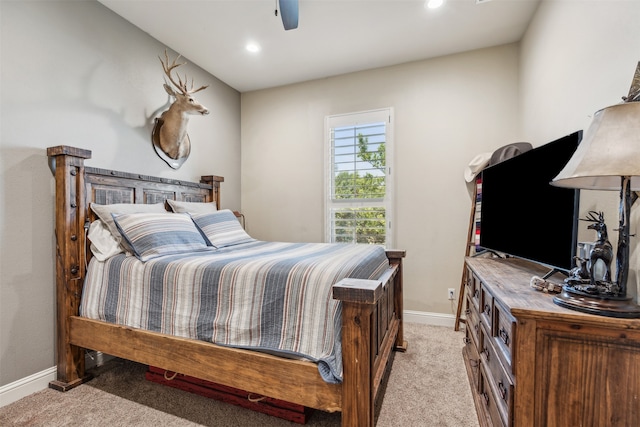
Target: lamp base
609	306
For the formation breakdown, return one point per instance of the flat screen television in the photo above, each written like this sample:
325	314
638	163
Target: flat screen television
523	215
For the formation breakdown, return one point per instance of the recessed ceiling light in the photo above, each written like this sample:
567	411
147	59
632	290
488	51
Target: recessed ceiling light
433	4
252	47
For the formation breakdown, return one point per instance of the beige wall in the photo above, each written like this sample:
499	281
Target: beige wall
74	73
578	57
446	111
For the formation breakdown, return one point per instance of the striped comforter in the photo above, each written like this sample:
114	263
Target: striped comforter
265	296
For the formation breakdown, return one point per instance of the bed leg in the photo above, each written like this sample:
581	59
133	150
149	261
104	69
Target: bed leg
63	386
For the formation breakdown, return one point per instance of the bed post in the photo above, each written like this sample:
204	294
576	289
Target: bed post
365	347
67	165
395	258
214	181
359	299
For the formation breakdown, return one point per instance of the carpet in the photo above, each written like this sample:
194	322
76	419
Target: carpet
427	387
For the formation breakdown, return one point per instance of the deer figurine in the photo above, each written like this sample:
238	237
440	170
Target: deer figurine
170	130
602	249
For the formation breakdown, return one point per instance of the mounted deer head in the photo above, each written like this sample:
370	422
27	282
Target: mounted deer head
170	130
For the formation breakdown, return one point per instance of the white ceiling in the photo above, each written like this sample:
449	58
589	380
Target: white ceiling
333	37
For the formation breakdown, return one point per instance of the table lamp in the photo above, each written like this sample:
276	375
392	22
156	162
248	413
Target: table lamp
608	158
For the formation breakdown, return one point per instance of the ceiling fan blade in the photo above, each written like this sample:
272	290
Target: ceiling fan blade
289	12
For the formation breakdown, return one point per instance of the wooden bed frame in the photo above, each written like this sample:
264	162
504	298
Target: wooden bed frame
371	315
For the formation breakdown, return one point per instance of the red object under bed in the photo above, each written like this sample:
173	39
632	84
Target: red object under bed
277	408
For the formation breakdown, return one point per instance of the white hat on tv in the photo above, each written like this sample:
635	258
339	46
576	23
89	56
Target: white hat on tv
476	165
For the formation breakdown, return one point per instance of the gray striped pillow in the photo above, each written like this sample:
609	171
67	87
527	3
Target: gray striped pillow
221	228
151	235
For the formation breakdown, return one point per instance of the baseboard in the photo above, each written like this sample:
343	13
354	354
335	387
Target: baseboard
39	381
427	318
25	386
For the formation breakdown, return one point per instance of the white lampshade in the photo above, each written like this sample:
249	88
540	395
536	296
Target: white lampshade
609	150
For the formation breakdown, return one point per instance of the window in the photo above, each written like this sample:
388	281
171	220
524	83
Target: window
359	186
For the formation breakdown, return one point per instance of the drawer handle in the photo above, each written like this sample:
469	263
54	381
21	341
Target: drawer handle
474	363
467	312
485	351
487	309
475	293
503	391
476	326
466	340
504	336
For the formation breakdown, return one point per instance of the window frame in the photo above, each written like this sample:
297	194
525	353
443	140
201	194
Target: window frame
354	119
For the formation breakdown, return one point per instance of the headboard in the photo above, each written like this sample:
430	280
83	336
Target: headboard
78	186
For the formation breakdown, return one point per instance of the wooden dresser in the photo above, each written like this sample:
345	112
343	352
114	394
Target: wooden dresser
533	363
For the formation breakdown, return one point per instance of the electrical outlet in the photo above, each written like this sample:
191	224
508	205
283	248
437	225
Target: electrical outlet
451	293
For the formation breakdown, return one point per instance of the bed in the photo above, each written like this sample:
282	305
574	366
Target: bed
371	309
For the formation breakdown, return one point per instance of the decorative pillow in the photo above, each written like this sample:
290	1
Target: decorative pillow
104	213
192	207
221	228
151	235
103	244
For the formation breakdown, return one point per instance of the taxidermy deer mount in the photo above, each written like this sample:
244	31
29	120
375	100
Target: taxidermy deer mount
169	136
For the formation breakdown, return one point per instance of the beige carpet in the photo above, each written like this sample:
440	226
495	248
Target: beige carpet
428	387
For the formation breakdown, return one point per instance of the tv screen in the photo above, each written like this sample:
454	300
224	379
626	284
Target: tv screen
523	215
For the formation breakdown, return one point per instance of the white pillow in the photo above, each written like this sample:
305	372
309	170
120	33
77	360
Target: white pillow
192	207
103	244
104	213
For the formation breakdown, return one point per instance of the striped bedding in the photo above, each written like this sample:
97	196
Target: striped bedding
267	296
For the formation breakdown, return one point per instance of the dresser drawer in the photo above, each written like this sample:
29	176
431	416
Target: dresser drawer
473	288
472	359
498	376
486	392
472	324
486	307
504	333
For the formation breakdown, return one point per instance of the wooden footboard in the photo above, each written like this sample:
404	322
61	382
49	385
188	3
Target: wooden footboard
371	315
371	328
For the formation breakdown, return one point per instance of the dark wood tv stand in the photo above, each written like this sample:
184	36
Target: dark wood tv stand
533	363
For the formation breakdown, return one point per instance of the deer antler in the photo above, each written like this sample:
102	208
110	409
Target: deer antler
180	85
591	217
